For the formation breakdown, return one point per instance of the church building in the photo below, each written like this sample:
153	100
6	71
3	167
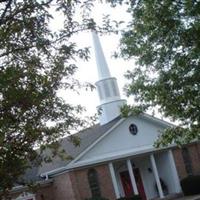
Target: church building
116	158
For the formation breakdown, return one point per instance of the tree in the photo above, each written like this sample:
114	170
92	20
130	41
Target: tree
164	37
35	62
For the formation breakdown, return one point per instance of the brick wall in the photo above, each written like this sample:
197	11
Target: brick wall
45	193
74	185
179	163
62	187
194	152
81	185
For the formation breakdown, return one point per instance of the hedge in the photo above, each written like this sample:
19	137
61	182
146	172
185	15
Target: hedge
135	197
191	185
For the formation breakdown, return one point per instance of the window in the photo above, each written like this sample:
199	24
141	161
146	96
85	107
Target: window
94	183
187	160
133	129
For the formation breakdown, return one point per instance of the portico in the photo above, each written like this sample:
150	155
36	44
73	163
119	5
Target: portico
152	175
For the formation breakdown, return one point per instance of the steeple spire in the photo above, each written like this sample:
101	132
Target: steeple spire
103	70
110	100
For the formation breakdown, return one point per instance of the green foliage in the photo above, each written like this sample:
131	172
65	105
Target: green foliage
190	185
164	38
127	110
36	62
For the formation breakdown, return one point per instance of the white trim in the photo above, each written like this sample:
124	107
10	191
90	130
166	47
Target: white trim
71	164
111	100
95	142
155	119
155	172
112	128
116	156
133	182
114	180
113	156
54	171
104	79
105	158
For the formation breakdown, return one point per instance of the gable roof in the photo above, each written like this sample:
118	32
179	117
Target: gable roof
83	160
87	137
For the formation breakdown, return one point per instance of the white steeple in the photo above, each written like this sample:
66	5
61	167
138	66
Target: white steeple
110	100
102	67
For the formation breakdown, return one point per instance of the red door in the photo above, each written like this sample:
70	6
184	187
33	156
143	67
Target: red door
139	183
127	186
126	183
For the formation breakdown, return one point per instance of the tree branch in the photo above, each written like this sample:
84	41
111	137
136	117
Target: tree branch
16	50
4	12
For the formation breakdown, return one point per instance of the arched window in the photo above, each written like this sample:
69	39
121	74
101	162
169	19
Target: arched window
94	183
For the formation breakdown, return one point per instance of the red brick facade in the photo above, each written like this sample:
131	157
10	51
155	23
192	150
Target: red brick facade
74	185
179	163
81	186
194	152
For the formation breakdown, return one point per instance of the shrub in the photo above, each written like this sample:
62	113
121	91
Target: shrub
96	198
190	185
135	197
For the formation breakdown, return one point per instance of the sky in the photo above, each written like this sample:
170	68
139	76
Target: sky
87	71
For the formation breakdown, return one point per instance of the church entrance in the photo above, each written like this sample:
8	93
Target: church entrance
126	183
127	186
139	183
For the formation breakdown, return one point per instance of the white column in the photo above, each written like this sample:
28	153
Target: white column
114	180
155	172
174	172
133	182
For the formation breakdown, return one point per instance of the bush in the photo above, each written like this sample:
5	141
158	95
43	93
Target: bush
135	197
191	185
96	198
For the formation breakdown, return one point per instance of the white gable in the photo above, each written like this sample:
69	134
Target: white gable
121	143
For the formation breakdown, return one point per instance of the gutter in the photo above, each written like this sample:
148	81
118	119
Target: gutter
72	166
55	171
22	188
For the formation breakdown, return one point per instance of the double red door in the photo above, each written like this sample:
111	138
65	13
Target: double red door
127	186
